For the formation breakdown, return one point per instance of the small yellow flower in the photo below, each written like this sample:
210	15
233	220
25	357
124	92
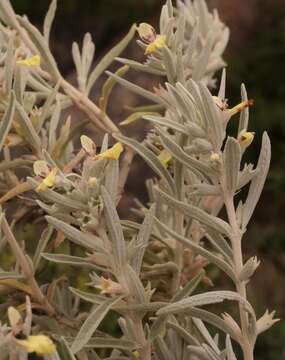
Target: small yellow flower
108	286
48	181
88	144
158	43
31	61
164	157
113	153
148	35
238	108
40	344
245	138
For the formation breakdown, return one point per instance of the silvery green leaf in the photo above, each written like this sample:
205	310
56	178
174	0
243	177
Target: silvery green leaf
135	285
214	320
136	89
246	175
212	354
42	243
185	335
41	45
197	167
180	69
68	355
158	328
54	121
115	231
109	58
257	183
89	297
108	87
59	199
86	240
222	90
150	159
211	297
218	261
9	65
71	260
229	349
112	179
201	64
47	106
49	19
211	115
195	213
244	115
216	242
204	190
199	352
206	335
20	82
7	119
28	129
113	343
221	242
164	121
142	239
162	351
91	324
142	67
169	63
232	158
189	288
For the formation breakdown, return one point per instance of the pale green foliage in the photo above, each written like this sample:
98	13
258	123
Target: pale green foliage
148	273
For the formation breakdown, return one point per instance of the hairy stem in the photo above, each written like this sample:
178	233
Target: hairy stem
236	241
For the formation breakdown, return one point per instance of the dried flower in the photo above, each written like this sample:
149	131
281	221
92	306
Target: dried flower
110	287
88	145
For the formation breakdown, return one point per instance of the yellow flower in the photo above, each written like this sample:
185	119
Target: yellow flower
158	43
113	153
245	138
48	181
238	108
31	61
148	35
40	344
108	286
164	157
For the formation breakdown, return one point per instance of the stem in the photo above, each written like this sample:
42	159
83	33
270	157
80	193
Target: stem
26	267
247	346
178	255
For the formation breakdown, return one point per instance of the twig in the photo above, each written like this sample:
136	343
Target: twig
26	267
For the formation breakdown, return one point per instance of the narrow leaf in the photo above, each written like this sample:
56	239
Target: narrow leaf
7	120
109	58
91	324
258	181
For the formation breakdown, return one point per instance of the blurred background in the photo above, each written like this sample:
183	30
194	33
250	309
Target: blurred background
256	56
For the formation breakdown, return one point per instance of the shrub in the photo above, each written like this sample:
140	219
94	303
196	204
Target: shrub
149	278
